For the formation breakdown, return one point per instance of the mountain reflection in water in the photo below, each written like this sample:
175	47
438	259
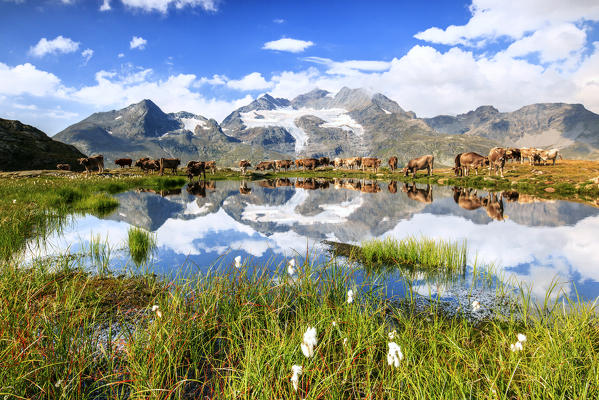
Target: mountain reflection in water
267	221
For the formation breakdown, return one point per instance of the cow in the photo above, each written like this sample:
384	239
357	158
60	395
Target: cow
465	161
283	164
139	163
421	195
211	165
283	182
310	163
93	162
392	163
352	185
195	168
371	162
494	206
497	157
266	165
311	184
268	183
467	199
416	164
63	167
150	165
123	162
510	195
527	153
169	163
353	162
392	187
546	155
244	165
324	162
338	163
514	154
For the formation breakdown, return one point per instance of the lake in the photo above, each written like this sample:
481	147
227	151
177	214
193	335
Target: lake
204	227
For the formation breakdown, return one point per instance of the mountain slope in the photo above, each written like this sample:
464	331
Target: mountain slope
24	147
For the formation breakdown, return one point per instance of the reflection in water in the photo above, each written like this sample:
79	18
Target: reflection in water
208	223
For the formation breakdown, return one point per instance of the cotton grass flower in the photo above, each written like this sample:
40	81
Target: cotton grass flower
156	309
475	306
309	342
296	371
392	335
521	337
516	347
350	296
238	262
334	323
291	267
394	356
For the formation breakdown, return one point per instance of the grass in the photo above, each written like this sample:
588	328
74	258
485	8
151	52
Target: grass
141	243
69	334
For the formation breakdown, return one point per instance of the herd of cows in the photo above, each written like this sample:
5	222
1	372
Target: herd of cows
463	163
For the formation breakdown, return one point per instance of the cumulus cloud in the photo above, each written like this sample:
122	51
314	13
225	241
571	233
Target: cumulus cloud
347	67
253	81
288	44
120	55
87	54
162	6
105	5
57	45
492	19
278	20
138	43
27	79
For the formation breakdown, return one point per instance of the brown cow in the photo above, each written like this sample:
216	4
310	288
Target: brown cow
211	165
370	187
465	161
371	162
529	153
266	165
393	163
324	162
139	163
93	162
467	199
338	162
310	163
421	195
63	167
283	164
268	183
353	162
416	164
514	154
392	187
195	168
169	163
352	185
150	165
546	155
123	162
283	182
497	157
244	165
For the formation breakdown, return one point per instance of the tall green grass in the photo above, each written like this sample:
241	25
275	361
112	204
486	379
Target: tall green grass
68	334
140	243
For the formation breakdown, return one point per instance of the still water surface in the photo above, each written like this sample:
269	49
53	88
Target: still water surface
267	222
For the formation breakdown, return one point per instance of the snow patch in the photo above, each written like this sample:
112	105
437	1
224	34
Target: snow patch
191	123
386	112
119	117
194	209
285	117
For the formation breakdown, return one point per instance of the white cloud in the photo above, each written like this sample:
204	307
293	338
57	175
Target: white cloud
27	79
253	81
162	6
105	6
59	44
278	20
215	80
347	67
288	44
120	55
492	19
87	54
137	43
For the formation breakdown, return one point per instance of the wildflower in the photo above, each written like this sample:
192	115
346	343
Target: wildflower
309	342
14	201
392	335
521	337
238	262
156	310
344	341
334	323
291	267
350	296
395	355
475	306
58	383
296	371
516	346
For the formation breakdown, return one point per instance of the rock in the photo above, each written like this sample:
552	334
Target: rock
549	190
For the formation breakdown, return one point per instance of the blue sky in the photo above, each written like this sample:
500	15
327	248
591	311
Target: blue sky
61	60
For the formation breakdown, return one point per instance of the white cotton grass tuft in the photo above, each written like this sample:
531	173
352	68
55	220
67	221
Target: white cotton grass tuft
296	371
238	262
334	323
394	356
156	309
516	347
521	337
291	267
392	335
475	305
309	342
350	296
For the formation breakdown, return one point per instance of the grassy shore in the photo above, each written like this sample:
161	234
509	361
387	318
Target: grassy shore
65	333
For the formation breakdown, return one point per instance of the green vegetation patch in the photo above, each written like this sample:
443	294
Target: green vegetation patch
141	243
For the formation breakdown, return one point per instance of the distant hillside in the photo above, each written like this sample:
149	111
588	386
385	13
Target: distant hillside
24	147
142	129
